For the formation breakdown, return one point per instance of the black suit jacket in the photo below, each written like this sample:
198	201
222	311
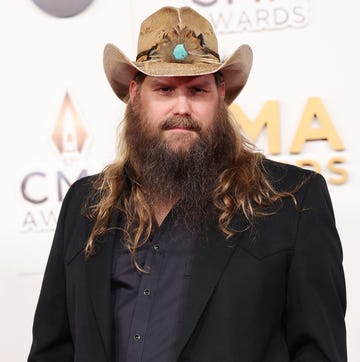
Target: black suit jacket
275	293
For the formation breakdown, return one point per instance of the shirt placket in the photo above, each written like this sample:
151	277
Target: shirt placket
146	292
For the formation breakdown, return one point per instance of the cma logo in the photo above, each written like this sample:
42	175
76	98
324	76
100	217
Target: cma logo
35	185
44	188
44	191
70	138
70	135
63	8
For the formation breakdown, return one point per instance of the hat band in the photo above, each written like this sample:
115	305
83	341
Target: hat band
177	45
146	54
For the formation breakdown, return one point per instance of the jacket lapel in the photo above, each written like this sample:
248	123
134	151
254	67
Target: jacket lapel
98	272
212	254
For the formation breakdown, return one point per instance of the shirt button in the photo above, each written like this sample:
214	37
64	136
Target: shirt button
147	291
156	247
137	337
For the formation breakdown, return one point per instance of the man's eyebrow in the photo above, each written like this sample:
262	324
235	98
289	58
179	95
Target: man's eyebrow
202	83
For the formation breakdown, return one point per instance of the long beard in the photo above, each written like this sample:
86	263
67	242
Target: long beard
188	175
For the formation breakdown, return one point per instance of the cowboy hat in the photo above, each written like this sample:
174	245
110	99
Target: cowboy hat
177	42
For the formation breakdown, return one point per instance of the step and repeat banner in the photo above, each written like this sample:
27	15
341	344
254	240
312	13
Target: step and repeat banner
59	117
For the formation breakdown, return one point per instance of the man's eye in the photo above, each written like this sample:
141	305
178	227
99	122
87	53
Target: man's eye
164	89
198	90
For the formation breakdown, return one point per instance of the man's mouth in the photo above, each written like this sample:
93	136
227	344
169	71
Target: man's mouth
180	129
180	124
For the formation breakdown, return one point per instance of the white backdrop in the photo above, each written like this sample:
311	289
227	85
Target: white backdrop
59	116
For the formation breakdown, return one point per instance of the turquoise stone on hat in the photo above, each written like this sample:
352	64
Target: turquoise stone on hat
180	52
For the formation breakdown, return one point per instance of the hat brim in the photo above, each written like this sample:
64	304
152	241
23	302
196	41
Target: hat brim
120	70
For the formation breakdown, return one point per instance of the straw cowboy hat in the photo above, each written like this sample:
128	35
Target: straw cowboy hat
177	42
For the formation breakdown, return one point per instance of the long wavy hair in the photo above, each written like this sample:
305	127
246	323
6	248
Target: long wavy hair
241	188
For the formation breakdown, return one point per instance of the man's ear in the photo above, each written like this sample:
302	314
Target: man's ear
133	88
222	90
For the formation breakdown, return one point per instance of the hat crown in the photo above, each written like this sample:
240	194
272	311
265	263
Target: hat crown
171	22
177	42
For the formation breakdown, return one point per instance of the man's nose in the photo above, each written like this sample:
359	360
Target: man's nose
182	106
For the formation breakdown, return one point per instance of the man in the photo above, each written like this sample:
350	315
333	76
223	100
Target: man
191	246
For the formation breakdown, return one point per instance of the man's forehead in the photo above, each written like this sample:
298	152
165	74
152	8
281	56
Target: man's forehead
206	79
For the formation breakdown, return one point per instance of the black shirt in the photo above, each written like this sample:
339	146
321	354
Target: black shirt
147	306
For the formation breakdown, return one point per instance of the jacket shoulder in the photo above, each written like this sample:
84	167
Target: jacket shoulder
74	225
83	185
285	177
78	193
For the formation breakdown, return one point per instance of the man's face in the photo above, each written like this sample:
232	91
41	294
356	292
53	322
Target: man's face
177	109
